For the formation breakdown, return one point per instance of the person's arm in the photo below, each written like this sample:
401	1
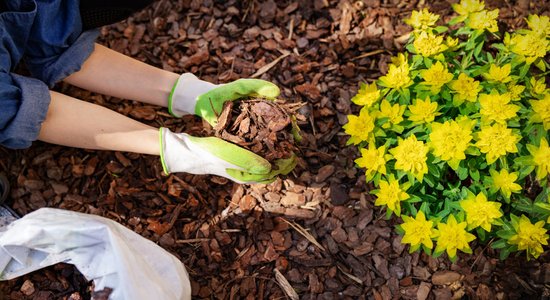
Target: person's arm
112	73
75	123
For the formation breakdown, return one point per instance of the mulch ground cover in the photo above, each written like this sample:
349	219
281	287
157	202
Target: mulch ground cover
316	229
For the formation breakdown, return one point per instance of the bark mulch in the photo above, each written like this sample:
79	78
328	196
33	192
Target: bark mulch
312	235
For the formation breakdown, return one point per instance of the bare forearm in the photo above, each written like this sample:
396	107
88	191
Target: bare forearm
75	123
111	73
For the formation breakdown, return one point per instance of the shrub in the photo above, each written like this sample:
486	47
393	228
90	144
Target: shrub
454	137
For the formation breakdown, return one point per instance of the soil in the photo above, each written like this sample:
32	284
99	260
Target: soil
317	229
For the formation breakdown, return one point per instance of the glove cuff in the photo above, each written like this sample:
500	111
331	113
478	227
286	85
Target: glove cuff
185	92
162	142
176	153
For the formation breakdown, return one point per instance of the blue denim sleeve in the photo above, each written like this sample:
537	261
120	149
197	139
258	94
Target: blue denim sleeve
24	103
57	47
48	35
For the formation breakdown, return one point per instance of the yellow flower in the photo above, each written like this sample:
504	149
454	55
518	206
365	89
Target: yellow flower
359	127
367	95
466	7
541	158
453	236
530	237
373	160
393	112
436	76
480	212
466	88
451	42
428	44
397	77
496	108
538	87
539	24
391	195
423	111
529	46
484	19
495	141
411	155
422	20
399	60
515	91
418	231
450	140
499	74
505	182
541	110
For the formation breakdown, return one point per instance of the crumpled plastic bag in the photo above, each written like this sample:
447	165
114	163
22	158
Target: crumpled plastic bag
101	249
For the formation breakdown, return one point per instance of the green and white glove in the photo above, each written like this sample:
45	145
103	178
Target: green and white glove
181	152
190	95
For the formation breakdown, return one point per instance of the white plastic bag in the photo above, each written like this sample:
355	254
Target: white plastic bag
102	250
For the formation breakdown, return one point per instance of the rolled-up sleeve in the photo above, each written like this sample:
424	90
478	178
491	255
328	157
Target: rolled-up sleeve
47	35
24	103
57	47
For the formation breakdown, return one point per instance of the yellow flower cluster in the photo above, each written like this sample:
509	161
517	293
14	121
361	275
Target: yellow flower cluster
480	212
541	111
450	134
410	156
359	127
436	76
483	20
423	111
496	140
391	194
466	89
540	157
422	20
496	108
530	237
373	160
449	140
367	95
428	44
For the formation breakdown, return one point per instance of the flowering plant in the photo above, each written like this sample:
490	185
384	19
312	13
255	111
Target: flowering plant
454	137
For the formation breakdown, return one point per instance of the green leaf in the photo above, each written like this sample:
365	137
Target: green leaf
414	199
433	170
474	173
524	70
462	173
473	151
539	63
505	234
437	254
481	233
441	29
427	62
504	253
426	250
455	20
499	244
543	196
429	181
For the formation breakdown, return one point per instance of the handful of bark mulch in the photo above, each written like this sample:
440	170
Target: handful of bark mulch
265	127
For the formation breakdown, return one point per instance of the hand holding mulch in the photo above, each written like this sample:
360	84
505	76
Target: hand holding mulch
252	147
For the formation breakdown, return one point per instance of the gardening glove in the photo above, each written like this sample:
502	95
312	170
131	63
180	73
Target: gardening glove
191	95
181	152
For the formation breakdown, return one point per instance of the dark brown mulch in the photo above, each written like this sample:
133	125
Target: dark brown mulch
262	126
317	227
